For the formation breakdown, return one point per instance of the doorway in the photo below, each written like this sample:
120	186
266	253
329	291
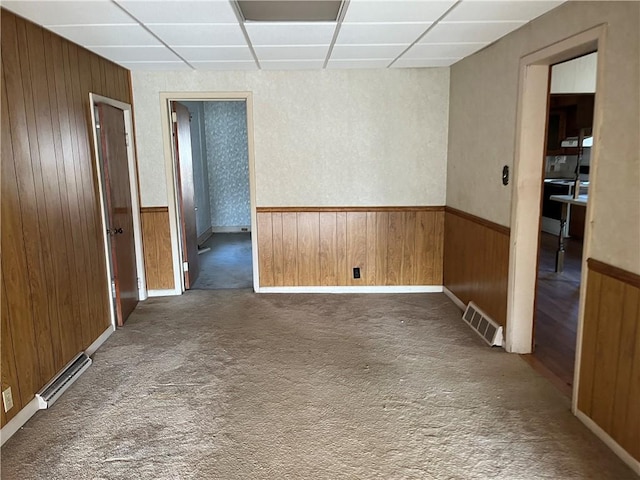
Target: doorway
220	177
118	187
565	193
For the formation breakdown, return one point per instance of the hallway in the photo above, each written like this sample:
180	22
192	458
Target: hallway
228	384
227	264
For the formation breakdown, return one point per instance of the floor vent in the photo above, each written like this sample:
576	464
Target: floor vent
69	374
489	330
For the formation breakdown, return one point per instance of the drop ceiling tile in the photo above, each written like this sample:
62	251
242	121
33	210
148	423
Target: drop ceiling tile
379	33
306	52
424	63
106	35
226	66
445	32
156	66
443	50
360	63
279	33
345	52
198	35
70	13
137	54
396	11
183	11
523	11
211	54
292	64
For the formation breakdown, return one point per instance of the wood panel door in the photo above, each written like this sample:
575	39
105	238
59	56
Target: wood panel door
115	166
186	192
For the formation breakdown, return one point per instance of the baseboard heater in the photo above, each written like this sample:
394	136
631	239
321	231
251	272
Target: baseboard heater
63	380
480	323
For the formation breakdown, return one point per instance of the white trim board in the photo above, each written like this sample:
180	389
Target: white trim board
32	407
163	293
205	236
355	289
234	229
459	303
609	442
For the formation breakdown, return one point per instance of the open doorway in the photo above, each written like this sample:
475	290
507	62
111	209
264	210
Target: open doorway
565	193
217	195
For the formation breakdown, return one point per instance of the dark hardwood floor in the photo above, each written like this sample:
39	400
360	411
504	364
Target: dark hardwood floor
556	318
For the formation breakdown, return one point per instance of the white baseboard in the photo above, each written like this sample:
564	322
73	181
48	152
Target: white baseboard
99	341
19	420
235	229
163	293
609	442
205	236
454	299
355	289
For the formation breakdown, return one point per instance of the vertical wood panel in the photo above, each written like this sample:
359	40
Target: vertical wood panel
289	248
436	276
341	249
9	370
308	258
265	249
589	339
278	256
394	248
356	246
328	249
409	248
372	248
156	243
382	245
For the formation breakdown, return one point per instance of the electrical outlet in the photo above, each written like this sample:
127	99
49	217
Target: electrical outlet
7	399
356	272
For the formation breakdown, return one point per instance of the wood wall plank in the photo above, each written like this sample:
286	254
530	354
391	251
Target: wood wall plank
320	247
53	263
156	243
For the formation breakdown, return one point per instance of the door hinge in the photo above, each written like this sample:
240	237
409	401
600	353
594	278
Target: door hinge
174	117
126	138
185	266
139	282
113	288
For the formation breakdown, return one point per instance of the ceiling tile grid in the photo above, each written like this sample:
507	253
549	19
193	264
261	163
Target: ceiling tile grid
212	34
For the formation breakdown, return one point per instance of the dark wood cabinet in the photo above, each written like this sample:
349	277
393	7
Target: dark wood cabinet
568	113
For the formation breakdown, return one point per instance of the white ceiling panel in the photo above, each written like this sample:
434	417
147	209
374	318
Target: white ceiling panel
311	52
137	54
278	33
105	35
424	63
203	54
360	63
443	50
226	66
156	66
396	11
380	33
199	35
482	10
468	32
183	11
292	64
345	52
70	13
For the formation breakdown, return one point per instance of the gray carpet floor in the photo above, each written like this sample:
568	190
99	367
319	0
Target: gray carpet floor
227	264
227	384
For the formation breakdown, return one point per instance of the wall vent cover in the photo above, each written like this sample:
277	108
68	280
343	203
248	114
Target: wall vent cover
63	380
480	323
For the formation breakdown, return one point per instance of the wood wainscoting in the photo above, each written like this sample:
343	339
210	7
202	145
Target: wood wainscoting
609	388
320	246
156	243
476	262
55	293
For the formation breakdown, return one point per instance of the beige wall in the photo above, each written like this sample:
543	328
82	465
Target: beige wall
322	138
483	116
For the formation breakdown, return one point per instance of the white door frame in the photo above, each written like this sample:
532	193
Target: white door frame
135	199
525	206
170	167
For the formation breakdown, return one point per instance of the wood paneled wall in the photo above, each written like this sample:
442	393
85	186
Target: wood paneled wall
156	242
321	246
476	262
609	388
54	286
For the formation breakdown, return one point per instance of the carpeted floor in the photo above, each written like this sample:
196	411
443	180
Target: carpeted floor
227	264
228	384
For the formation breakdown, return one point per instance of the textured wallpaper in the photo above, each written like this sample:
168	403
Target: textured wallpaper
227	163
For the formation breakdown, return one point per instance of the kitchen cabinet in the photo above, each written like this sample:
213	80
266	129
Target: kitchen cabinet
567	115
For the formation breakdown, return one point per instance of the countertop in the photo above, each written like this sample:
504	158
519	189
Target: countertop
581	200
